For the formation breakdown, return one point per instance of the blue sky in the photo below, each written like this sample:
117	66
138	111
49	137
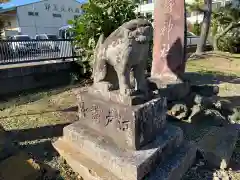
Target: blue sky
21	2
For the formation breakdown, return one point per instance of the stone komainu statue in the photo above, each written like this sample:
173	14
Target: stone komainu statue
126	49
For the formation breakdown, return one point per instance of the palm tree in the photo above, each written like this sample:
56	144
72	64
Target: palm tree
227	18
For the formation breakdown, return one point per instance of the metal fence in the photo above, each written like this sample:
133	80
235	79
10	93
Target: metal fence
18	51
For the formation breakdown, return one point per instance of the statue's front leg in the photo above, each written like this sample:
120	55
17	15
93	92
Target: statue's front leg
99	70
124	81
139	75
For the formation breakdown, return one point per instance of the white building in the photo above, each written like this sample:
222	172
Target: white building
46	16
147	8
197	17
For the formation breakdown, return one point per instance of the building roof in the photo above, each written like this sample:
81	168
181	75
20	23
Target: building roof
8	9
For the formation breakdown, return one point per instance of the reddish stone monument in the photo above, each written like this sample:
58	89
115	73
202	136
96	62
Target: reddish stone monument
169	49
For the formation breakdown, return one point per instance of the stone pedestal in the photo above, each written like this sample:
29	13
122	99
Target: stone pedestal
114	140
128	126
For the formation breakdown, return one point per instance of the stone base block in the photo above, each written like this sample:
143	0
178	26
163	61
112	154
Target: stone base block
124	164
84	166
130	127
176	165
218	145
172	169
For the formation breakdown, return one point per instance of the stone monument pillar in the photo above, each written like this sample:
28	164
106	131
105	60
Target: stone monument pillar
168	49
122	133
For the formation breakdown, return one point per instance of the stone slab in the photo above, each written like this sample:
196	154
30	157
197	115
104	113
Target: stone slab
218	145
23	167
130	127
176	165
176	90
115	96
125	164
172	169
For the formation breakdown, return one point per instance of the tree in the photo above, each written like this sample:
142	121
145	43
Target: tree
225	19
1	19
4	1
205	26
99	17
205	7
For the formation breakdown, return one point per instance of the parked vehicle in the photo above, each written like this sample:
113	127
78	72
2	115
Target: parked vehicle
193	40
65	33
22	43
49	44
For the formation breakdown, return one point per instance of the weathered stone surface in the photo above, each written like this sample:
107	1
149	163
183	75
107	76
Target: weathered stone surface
218	145
179	111
19	167
124	164
173	91
84	166
205	90
176	164
124	49
115	96
172	168
6	147
129	127
168	50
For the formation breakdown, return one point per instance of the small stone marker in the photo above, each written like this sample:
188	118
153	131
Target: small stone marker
168	50
218	145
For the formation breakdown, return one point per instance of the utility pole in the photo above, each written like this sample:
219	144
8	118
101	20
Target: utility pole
34	21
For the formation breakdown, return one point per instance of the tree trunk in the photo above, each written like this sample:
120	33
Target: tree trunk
205	27
218	36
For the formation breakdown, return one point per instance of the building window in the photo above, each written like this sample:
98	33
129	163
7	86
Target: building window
30	13
57	15
149	16
33	13
216	5
146	1
76	16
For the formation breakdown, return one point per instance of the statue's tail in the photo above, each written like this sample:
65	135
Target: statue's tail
99	65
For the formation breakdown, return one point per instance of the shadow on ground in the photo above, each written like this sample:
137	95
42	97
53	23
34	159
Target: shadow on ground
221	55
44	132
210	77
28	96
210	54
37	143
67	110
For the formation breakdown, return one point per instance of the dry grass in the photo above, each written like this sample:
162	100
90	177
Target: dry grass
39	113
34	121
